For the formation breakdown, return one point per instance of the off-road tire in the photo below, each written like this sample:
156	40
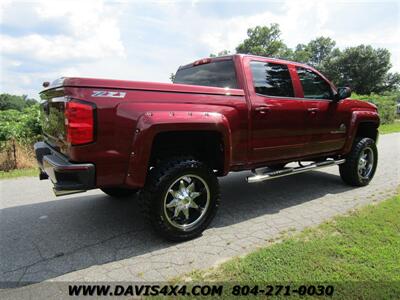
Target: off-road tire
349	170
119	192
159	180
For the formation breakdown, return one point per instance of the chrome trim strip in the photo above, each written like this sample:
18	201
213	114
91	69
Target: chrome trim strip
293	98
59	99
338	131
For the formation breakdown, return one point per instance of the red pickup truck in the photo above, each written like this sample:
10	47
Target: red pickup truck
171	141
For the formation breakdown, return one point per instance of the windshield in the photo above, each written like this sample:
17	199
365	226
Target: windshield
218	73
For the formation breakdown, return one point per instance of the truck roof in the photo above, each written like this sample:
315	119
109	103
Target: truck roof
231	56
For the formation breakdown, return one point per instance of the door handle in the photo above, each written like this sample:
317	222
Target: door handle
263	109
313	110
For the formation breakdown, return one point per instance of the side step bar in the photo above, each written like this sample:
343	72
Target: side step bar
293	171
66	192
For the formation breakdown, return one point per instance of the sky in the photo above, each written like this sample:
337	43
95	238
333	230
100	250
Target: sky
147	40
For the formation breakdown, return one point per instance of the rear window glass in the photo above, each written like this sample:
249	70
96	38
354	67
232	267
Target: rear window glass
271	79
218	74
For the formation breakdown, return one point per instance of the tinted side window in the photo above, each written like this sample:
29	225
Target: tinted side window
219	74
314	86
271	79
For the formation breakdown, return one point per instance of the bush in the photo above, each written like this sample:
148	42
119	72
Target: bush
23	126
18	131
16	156
386	104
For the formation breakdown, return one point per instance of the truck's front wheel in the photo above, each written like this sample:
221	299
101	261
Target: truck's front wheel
180	198
361	162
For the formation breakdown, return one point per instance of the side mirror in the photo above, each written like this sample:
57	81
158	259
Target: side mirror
342	93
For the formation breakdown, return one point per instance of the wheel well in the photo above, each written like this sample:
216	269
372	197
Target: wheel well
367	130
206	146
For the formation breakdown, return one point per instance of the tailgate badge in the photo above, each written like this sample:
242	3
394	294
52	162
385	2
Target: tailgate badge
108	94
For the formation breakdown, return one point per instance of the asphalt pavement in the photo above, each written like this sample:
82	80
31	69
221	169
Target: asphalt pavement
93	237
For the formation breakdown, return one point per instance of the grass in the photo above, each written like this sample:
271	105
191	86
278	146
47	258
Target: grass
390	128
358	254
19	173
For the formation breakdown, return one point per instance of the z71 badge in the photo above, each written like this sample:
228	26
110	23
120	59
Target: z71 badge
108	94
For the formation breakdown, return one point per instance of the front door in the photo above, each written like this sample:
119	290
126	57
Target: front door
278	128
326	119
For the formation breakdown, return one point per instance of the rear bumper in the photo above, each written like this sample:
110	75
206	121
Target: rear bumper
67	177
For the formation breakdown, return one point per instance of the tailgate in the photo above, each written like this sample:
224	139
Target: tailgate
53	118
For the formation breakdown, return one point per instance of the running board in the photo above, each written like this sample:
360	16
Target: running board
293	171
66	192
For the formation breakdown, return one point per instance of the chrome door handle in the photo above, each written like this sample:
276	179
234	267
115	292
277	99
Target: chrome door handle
262	109
313	109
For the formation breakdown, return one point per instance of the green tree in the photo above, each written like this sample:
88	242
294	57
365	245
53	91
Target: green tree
391	82
29	101
22	126
18	128
363	68
8	101
301	54
319	50
10	131
264	41
220	53
317	53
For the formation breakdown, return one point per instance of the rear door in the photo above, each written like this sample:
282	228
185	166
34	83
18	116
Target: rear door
325	121
278	129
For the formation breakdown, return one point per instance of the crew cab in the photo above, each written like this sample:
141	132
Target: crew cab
170	141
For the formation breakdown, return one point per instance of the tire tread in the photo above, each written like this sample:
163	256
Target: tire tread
348	170
148	196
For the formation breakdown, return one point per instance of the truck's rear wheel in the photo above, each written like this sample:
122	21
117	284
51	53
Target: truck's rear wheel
180	198
119	192
361	162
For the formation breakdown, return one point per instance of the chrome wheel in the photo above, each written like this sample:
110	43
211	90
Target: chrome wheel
365	163
186	201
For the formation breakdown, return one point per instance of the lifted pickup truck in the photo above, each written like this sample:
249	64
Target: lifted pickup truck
170	141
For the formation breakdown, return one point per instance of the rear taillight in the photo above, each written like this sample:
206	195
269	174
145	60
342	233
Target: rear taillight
79	123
